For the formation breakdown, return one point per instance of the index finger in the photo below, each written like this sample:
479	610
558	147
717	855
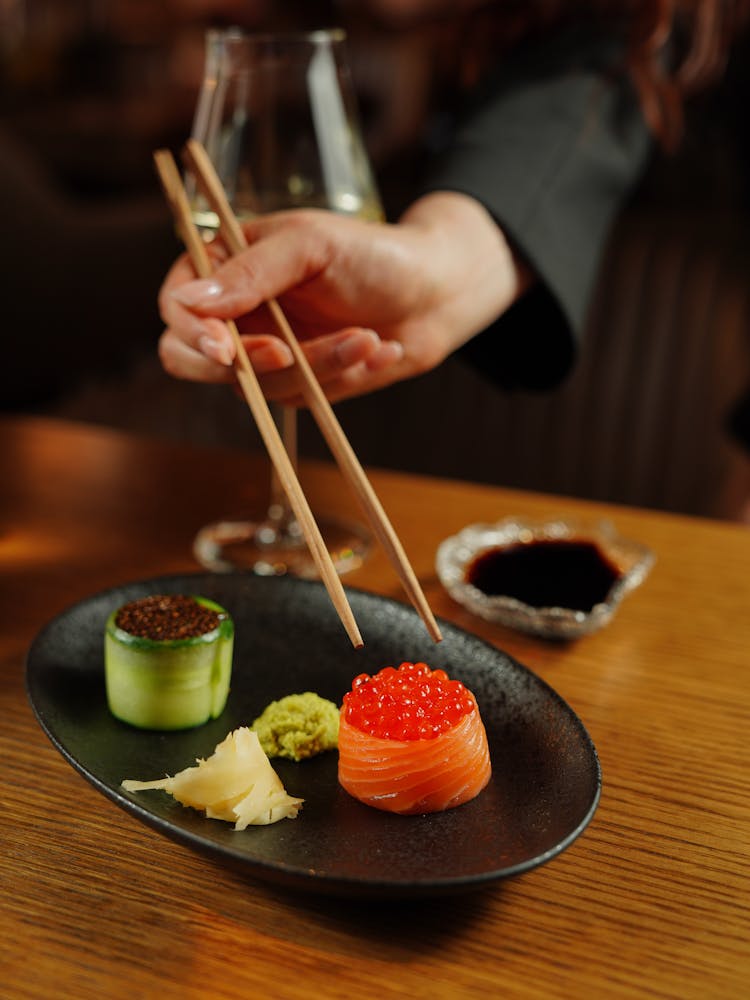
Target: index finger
281	258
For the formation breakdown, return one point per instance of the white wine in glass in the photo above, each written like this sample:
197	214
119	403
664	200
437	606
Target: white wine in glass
277	116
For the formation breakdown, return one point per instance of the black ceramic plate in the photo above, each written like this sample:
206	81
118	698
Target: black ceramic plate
543	792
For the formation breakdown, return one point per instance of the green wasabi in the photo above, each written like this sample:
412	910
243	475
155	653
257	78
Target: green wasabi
298	726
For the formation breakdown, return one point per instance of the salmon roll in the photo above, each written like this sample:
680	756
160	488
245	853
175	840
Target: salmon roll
412	741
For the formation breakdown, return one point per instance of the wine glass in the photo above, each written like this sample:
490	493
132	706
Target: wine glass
277	116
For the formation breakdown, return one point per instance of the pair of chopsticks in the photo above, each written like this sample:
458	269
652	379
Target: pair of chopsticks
200	165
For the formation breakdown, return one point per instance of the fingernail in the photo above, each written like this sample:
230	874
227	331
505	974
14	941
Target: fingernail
268	359
215	350
350	351
389	353
194	293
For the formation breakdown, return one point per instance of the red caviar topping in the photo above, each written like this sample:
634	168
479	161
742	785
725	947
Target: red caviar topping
411	703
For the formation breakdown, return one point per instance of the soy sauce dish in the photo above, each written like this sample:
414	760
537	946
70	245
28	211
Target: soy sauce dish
559	579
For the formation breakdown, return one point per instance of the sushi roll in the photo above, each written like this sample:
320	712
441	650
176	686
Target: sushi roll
412	741
168	661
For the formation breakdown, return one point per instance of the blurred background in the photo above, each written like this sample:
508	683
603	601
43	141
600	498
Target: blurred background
89	88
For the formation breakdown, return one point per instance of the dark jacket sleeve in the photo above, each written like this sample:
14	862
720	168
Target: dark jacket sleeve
551	147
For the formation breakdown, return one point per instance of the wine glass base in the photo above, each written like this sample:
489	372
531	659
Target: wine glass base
264	548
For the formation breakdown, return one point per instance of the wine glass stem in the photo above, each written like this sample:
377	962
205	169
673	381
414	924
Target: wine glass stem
280	511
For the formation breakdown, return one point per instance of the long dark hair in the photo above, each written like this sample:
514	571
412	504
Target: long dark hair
673	48
698	35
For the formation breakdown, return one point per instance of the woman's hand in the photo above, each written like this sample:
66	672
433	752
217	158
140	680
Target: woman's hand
371	304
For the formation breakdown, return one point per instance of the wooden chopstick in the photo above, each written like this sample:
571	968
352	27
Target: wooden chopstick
177	198
201	166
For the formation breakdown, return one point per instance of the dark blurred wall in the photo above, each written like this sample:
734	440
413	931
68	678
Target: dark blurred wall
87	98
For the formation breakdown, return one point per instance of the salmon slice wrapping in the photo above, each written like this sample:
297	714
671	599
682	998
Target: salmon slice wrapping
444	760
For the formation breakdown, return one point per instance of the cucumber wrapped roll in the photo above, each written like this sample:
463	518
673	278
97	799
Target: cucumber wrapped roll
168	661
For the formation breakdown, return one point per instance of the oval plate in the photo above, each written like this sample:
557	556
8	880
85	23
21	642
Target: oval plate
546	777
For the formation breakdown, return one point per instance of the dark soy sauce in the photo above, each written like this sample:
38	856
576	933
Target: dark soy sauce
545	573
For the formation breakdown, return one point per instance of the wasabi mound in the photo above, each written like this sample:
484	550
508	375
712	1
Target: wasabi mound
298	726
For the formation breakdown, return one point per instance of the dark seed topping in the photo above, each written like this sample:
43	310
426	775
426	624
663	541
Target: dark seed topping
166	617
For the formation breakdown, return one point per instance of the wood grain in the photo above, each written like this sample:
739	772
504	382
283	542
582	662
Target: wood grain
652	901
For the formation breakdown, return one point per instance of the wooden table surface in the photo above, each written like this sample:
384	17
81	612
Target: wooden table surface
652	901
